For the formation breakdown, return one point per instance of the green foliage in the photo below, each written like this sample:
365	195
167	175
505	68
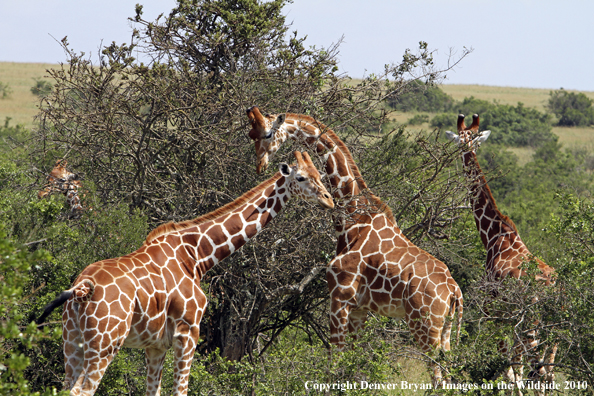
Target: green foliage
516	126
574	228
16	337
41	88
11	136
423	97
418	119
572	109
70	245
5	90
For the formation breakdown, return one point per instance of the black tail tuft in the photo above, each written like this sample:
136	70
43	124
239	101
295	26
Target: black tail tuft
61	299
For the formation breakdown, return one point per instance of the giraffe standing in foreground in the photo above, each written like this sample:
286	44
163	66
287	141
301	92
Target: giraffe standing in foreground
506	253
62	181
376	267
151	298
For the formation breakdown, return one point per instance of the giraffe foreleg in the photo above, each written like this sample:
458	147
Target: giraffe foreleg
154	364
339	323
185	342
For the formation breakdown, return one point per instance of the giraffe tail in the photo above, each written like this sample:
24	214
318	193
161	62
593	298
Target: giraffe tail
82	293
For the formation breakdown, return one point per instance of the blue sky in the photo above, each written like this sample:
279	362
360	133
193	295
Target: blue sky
518	43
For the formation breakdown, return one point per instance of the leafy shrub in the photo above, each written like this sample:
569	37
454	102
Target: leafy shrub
41	88
572	109
418	119
517	126
423	97
5	90
15	336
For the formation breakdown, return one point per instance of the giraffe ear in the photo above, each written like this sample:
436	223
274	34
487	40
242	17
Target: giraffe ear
483	136
452	136
284	169
280	119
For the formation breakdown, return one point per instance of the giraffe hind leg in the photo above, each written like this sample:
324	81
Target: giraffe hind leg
73	362
73	345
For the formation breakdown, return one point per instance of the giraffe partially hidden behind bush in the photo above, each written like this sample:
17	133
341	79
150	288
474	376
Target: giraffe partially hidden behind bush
151	298
61	180
506	252
376	267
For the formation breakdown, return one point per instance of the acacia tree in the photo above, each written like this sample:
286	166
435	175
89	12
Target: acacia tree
169	136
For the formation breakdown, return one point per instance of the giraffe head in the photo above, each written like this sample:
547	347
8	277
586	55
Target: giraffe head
469	137
60	180
304	181
267	135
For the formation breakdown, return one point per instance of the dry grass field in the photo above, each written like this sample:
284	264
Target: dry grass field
530	97
21	104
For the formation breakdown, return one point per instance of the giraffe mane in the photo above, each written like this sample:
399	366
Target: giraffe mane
375	200
171	226
491	198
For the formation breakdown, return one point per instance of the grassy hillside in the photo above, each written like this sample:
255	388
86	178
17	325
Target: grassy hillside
531	97
21	104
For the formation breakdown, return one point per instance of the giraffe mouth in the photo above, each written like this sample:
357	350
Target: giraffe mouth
262	164
326	201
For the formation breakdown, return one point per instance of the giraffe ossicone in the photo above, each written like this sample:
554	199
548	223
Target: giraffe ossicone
376	267
507	255
151	298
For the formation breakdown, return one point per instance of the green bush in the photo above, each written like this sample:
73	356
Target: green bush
16	336
423	97
41	88
516	126
418	119
572	109
5	90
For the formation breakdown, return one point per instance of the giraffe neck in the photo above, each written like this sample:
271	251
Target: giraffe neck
344	175
203	242
72	198
490	222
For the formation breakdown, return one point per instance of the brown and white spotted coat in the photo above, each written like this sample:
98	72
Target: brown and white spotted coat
151	298
61	180
376	267
506	252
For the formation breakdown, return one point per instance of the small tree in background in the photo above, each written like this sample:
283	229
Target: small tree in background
41	87
572	109
5	90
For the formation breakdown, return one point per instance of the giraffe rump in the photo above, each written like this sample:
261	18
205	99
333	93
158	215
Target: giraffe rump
82	292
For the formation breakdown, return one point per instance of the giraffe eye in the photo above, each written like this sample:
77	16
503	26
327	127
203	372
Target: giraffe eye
269	135
300	178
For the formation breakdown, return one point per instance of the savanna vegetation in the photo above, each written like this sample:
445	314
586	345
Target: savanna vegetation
163	136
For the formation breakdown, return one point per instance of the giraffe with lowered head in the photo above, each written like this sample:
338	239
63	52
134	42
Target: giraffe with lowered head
506	252
61	180
151	298
376	267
